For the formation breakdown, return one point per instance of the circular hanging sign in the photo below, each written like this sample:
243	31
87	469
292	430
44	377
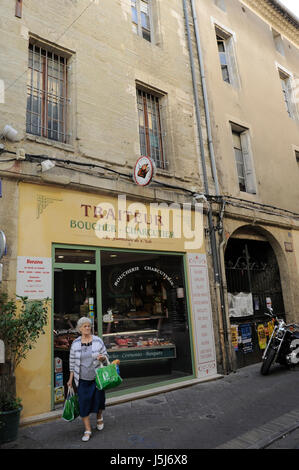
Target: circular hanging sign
144	171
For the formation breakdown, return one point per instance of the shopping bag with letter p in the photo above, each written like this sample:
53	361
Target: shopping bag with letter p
107	377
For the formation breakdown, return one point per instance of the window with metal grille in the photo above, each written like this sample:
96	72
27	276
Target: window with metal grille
150	128
141	18
47	90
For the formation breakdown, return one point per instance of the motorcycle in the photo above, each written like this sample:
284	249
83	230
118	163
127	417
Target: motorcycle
283	346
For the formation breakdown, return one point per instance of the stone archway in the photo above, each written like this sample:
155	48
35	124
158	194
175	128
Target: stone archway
256	277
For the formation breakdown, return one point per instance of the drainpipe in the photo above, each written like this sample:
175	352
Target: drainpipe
214	249
202	150
205	98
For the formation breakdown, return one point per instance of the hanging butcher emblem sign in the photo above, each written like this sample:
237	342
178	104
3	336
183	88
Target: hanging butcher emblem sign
144	171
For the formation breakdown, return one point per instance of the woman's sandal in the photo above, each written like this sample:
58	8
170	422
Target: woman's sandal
100	424
86	436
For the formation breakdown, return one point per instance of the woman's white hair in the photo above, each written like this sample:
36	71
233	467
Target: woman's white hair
81	322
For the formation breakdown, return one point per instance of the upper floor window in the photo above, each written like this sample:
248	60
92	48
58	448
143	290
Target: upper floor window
278	41
243	157
150	127
142	18
223	56
220	4
225	44
286	86
47	92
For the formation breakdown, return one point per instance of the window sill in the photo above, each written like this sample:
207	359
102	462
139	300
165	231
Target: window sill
51	143
162	172
249	196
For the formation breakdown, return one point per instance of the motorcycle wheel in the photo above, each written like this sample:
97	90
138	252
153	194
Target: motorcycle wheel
268	361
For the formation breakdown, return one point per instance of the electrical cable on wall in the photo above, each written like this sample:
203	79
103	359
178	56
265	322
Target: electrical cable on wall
231	200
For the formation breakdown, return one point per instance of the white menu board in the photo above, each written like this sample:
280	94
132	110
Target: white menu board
202	315
34	276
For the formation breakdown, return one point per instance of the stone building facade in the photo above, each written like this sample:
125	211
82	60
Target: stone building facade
206	89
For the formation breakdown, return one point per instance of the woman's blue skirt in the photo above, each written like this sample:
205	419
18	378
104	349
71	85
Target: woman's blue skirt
91	399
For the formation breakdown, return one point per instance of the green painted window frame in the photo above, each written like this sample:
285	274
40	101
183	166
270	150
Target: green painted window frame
97	267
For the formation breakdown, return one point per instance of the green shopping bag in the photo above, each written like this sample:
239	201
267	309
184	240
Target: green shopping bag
71	406
107	377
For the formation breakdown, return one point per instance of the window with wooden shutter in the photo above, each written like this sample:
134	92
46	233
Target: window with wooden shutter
227	57
243	158
286	91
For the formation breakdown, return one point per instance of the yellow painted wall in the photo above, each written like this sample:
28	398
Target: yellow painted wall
45	217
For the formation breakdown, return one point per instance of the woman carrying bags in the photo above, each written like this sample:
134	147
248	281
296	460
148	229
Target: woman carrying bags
86	354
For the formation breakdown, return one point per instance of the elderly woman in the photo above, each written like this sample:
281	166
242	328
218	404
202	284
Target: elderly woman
87	351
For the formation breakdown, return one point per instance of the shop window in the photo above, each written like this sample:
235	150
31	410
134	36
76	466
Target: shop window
47	94
142	18
145	320
150	126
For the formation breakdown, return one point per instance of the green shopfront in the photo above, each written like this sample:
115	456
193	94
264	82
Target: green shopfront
138	304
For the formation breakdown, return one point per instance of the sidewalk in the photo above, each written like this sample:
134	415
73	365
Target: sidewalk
239	411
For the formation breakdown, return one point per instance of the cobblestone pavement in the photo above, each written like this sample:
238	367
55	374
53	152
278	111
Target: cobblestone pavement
243	410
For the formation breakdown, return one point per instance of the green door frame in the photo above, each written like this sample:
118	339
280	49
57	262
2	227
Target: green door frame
97	267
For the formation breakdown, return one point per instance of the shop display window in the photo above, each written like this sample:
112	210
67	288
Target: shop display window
145	320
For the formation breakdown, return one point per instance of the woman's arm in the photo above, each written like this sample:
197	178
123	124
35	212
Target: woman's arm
72	367
102	353
70	381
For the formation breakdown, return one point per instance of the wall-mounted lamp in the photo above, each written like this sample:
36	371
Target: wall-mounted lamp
9	133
